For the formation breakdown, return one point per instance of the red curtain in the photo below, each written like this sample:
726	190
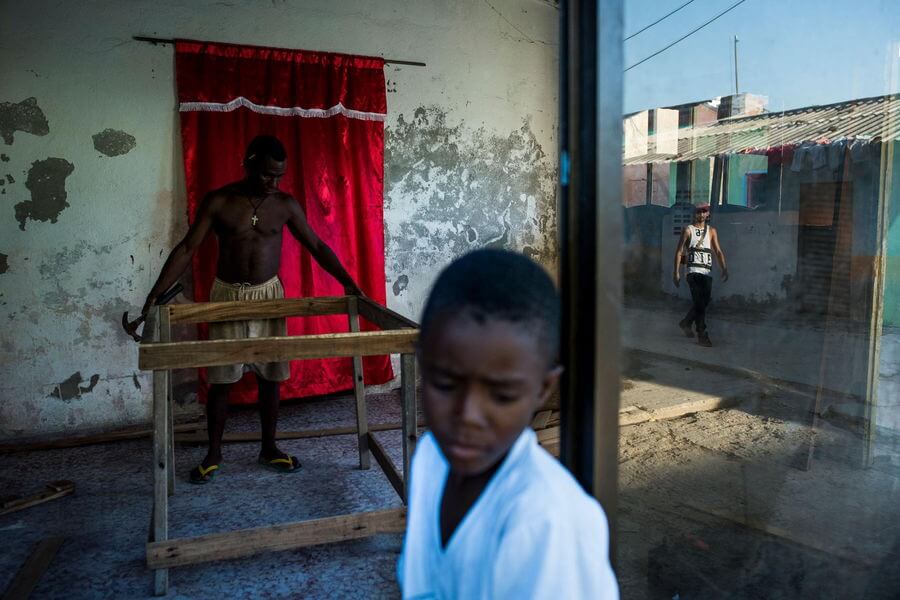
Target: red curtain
328	110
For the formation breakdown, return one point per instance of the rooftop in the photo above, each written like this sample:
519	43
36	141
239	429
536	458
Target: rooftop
865	118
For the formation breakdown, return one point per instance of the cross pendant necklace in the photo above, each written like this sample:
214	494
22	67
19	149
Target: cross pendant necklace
254	219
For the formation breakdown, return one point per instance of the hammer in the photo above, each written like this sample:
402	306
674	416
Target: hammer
164	298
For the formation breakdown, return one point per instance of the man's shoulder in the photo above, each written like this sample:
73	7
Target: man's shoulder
226	192
283	197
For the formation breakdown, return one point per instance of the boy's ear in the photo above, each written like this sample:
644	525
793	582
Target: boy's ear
550	383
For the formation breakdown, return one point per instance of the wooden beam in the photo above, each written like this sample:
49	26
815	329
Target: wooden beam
32	569
409	409
201	437
359	391
55	489
212	312
186	355
541	419
387	465
285	536
165	335
150	333
100	438
384	317
161	464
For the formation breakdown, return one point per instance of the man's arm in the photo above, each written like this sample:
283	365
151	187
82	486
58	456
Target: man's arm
679	250
180	256
720	256
320	251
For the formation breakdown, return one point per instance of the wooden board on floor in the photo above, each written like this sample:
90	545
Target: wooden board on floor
186	355
33	569
248	542
212	312
87	440
54	490
200	437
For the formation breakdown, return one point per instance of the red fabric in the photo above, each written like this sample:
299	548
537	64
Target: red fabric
335	171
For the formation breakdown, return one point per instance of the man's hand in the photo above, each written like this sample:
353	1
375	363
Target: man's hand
676	278
146	308
724	275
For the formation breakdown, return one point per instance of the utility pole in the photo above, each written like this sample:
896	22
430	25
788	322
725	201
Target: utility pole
737	90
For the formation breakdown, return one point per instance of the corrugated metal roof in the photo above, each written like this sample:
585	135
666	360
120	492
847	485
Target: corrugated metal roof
864	118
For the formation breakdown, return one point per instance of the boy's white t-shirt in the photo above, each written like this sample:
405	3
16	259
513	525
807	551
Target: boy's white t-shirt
533	533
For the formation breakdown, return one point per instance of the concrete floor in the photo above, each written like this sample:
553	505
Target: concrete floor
105	522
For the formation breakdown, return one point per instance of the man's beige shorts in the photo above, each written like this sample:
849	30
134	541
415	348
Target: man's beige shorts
231	330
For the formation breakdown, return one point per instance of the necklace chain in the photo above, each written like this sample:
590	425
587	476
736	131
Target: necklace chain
254	219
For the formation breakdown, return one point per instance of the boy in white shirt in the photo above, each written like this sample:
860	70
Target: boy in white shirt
491	514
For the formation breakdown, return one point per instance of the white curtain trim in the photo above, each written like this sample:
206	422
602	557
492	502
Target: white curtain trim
296	111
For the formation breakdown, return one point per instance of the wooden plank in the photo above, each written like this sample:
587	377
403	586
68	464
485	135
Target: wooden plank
359	390
554	419
409	413
165	335
160	468
384	317
200	437
550	433
541	420
387	465
187	355
551	446
212	312
150	333
54	490
87	440
285	536
33	569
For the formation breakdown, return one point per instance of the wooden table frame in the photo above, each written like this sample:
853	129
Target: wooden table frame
159	354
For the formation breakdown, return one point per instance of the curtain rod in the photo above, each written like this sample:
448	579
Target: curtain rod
155	41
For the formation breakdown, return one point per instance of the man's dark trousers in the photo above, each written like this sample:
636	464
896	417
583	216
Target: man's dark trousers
701	293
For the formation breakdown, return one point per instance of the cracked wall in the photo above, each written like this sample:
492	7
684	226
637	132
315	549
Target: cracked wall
92	192
451	189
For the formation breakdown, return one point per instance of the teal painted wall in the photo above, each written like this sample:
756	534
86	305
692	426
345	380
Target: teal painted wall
738	167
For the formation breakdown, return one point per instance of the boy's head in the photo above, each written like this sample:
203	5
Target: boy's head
264	162
488	347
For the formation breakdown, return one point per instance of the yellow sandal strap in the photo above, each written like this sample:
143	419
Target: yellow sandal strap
287	461
206	471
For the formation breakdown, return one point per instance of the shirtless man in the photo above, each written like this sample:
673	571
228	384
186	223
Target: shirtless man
247	217
695	249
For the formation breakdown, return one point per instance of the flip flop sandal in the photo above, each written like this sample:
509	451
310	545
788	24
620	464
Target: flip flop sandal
287	464
201	475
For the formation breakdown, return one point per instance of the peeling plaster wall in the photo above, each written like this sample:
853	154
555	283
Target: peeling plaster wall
92	193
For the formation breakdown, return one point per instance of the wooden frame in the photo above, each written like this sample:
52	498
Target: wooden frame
159	354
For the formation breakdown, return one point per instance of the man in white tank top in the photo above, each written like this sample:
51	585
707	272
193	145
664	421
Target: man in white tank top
695	250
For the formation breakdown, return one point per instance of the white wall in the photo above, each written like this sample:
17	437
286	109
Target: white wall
760	250
470	160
